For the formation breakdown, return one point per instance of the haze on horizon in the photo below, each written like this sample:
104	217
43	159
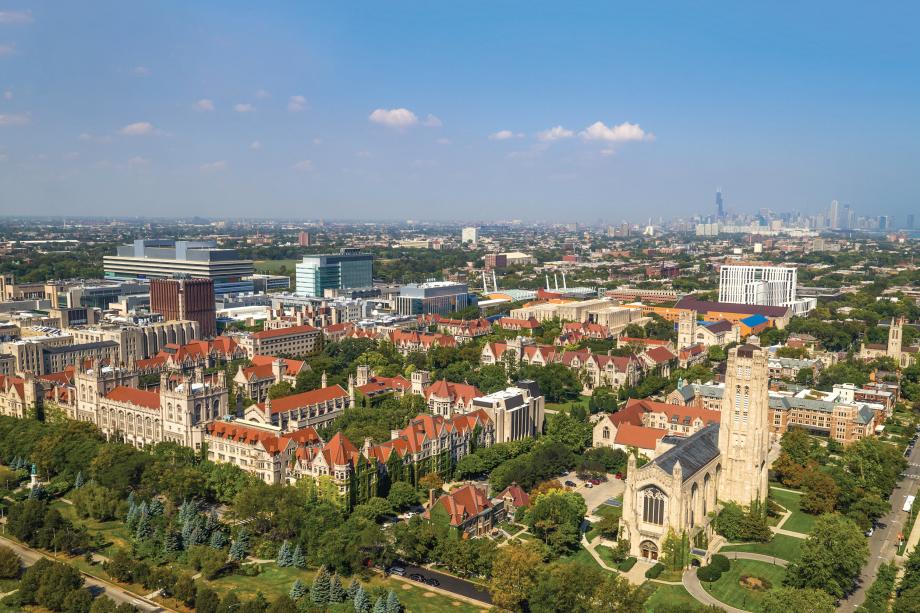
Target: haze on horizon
456	110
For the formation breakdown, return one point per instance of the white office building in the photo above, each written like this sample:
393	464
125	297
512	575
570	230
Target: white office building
762	285
470	235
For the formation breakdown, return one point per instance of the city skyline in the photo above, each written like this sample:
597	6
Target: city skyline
448	113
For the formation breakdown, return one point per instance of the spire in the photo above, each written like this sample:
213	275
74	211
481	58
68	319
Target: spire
324	380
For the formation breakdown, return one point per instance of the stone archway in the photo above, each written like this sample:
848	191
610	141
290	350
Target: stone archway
648	550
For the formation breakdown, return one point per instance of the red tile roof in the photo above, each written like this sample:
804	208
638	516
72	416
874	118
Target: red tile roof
660	355
463	503
638	436
452	391
132	395
519	498
305	399
293	366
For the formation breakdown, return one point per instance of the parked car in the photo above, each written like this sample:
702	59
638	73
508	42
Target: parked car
417	577
618	476
870	531
594	481
570	484
589	485
432	582
399	571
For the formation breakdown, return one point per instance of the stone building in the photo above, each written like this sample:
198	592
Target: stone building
674	493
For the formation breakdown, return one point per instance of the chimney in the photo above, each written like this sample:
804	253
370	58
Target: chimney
268	410
430	499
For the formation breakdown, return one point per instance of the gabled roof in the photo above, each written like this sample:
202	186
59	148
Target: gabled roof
682	414
306	399
250	435
693	452
640	437
723	325
452	391
519	498
340	451
293	366
383	385
660	355
16	383
463	503
132	395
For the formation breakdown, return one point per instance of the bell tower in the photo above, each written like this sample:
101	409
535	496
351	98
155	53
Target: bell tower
744	432
685	324
894	339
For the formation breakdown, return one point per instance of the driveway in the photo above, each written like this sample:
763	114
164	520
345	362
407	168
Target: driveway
599	494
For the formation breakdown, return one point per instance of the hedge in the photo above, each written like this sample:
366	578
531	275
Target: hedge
720	562
654	571
708	573
627	564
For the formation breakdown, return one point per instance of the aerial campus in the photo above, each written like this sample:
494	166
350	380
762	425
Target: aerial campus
311	308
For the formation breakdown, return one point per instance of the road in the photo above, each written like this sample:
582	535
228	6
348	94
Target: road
97	587
449	583
883	544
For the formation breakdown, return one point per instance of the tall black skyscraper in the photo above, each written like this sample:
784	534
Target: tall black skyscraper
910	221
720	206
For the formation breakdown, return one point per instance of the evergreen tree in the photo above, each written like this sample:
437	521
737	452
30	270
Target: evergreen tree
131	499
188	526
143	526
298	590
362	602
393	604
240	546
337	593
78	480
284	555
297	558
131	517
155	508
218	539
198	536
319	593
380	606
172	542
353	589
38	492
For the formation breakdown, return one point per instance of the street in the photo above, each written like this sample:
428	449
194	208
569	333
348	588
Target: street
119	595
883	544
449	583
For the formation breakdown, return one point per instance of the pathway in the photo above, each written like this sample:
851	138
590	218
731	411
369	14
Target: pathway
693	585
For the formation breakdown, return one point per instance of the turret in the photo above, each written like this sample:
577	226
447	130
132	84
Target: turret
324	380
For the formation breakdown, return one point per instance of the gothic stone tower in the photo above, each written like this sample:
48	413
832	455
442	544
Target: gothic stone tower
686	323
744	433
894	339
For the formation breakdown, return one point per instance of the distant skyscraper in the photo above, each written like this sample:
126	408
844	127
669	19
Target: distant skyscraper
470	235
185	299
720	205
910	221
833	216
303	239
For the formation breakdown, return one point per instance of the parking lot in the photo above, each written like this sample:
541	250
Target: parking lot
596	495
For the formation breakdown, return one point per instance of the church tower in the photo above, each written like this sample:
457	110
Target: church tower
686	323
744	432
894	339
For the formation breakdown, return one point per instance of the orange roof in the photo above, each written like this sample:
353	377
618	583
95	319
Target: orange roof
241	433
452	391
339	450
519	498
660	355
463	503
382	385
293	366
293	330
305	399
638	436
13	382
520	323
680	411
132	395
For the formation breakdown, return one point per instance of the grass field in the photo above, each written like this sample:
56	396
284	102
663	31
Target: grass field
729	590
583	558
798	521
564	406
786	547
274	267
674	597
605	510
114	532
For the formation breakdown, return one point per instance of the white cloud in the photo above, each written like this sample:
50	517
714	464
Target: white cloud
394	118
8	94
607	152
255	145
141	71
243	108
616	134
555	133
443	141
303	166
20	119
140	128
214	166
262	94
297	104
204	105
7	49
505	135
15	16
432	122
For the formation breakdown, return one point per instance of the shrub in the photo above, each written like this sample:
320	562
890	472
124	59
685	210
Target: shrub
654	571
720	562
708	573
626	565
9	563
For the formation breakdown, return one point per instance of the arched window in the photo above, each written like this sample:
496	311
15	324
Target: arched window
649	550
653	506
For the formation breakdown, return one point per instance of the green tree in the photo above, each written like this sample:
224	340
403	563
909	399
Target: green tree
574	434
515	573
821	493
555	518
786	599
206	599
402	495
10	563
319	592
393	604
831	557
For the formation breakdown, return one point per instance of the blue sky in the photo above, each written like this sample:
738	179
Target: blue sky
457	110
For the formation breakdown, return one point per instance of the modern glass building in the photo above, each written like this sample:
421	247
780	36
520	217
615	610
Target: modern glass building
441	297
345	270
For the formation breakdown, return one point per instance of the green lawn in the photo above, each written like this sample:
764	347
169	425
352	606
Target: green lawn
564	406
114	532
273	267
674	597
583	558
606	554
729	590
798	521
782	546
